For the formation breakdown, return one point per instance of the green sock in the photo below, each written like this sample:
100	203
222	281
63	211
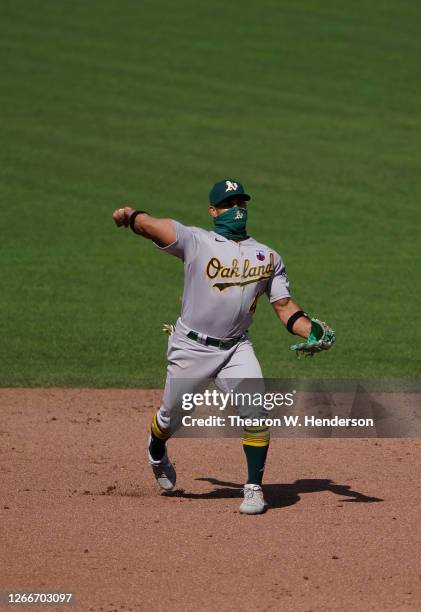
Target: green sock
256	459
156	447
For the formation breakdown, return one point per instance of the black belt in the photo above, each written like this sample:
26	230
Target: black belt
222	344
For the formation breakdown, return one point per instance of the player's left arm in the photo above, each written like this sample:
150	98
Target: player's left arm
285	308
279	296
319	336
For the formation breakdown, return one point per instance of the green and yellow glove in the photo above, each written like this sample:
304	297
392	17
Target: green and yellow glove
320	338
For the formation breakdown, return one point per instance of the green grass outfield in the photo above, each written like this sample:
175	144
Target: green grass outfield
314	105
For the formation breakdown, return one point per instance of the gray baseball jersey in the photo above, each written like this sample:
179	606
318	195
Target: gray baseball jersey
224	279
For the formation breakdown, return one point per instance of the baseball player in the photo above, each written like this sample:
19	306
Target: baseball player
225	273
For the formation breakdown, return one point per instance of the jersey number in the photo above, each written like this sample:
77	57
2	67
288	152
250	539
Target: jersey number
254	304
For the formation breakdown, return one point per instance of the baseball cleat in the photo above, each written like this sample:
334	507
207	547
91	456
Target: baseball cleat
164	472
254	502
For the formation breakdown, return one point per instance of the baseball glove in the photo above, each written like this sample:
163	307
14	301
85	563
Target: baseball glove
321	338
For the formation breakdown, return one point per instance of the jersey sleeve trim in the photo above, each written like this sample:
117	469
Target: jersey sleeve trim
184	246
168	246
285	294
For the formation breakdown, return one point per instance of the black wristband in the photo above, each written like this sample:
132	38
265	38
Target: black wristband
294	317
133	218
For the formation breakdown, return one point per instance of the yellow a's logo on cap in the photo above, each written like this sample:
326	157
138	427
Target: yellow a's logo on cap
231	186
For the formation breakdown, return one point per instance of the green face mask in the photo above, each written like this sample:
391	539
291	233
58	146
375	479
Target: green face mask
232	223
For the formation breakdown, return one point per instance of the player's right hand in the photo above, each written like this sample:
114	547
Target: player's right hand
121	216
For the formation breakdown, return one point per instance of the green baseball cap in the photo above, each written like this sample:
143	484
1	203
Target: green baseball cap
228	188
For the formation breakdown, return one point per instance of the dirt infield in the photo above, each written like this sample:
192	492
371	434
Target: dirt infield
80	512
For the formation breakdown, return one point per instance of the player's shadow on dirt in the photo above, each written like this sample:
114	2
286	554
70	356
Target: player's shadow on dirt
280	495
